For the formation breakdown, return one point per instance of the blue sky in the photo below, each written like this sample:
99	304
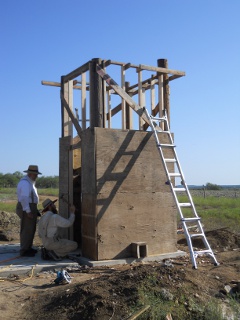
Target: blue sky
43	40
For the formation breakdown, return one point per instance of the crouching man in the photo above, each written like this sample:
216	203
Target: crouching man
56	247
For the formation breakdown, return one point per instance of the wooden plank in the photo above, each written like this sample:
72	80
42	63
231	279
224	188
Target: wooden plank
129	111
120	188
71	115
83	100
161	70
96	100
149	217
104	107
77	72
115	110
148	68
141	97
109	114
152	95
123	100
164	63
88	162
58	84
160	99
64	146
124	95
122	161
69	124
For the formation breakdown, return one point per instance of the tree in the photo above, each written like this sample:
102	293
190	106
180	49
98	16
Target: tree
10	180
211	186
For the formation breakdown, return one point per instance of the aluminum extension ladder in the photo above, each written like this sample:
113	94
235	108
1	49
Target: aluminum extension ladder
193	217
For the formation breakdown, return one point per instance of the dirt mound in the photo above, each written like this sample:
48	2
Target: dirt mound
172	288
9	226
220	240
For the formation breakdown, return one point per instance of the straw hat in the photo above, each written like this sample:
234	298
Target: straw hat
32	169
46	203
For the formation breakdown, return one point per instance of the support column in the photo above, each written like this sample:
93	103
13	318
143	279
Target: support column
96	95
163	63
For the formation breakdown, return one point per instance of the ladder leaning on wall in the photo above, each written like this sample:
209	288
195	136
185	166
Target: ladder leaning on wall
190	217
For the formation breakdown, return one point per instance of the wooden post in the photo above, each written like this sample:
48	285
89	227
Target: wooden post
129	120
109	108
123	101
141	97
83	101
65	154
163	63
96	99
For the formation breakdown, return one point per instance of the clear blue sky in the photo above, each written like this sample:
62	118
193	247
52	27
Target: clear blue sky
42	40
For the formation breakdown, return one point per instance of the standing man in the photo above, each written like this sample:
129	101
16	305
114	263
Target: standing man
27	210
56	247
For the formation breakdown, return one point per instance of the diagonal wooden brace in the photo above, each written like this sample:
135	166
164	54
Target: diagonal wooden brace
123	94
71	115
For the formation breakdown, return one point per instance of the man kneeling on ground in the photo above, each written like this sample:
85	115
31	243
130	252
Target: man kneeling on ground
56	247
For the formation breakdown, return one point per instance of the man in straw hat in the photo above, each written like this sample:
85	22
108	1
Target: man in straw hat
56	247
27	210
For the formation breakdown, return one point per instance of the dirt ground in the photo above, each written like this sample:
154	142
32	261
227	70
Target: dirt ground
123	291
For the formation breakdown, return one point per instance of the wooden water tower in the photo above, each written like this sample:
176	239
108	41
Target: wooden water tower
109	164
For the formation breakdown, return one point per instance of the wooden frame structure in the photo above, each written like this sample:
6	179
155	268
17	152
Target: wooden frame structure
96	98
100	106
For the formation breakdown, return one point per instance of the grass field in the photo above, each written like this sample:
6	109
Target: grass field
216	209
8	197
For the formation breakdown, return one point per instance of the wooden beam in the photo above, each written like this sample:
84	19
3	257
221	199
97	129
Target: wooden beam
83	101
115	110
58	84
71	115
148	68
96	95
77	72
161	70
124	95
163	63
123	100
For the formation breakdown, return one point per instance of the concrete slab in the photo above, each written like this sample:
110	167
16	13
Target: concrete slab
159	258
12	263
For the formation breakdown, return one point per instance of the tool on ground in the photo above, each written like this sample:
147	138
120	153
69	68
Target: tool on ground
62	277
155	124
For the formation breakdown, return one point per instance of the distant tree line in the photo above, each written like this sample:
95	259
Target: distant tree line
10	180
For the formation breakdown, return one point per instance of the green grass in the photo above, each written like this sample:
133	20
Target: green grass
8	197
163	302
48	192
216	212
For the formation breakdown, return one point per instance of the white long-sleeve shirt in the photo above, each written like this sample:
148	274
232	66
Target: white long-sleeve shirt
49	223
27	193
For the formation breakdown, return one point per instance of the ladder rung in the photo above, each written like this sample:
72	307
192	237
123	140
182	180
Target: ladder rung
190	219
171	160
175	174
194	235
179	189
159	119
185	204
203	252
167	145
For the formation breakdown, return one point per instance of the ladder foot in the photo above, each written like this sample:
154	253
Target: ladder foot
167	183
